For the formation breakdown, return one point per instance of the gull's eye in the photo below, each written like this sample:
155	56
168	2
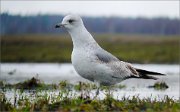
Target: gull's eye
70	21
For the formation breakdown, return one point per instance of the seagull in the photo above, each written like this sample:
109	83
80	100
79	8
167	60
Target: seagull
93	62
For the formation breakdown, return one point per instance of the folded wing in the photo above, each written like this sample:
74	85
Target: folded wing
122	69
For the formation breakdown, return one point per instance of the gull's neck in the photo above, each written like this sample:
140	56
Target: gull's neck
82	38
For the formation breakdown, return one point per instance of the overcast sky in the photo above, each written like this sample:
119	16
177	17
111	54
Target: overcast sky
94	8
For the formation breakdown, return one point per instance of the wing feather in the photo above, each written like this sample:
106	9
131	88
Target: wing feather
120	69
105	57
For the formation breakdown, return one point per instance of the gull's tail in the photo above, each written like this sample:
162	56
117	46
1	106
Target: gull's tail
145	74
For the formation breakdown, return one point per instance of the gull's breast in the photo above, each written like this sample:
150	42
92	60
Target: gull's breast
87	66
82	63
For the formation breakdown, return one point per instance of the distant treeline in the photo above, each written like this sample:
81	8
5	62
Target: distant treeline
16	24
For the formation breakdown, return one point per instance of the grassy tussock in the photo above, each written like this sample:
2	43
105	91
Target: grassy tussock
160	86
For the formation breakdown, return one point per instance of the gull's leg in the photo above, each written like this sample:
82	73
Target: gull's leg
98	87
109	90
97	91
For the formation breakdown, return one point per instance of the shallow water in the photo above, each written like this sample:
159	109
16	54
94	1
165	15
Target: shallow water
54	73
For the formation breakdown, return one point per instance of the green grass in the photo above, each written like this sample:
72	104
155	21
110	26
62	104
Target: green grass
59	103
58	48
66	101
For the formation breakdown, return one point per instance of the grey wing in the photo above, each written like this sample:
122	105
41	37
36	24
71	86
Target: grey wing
119	68
105	56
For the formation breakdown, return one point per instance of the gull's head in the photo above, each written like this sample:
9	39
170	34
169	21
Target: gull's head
70	22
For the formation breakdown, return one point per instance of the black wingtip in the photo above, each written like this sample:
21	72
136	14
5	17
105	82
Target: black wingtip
149	77
143	77
148	72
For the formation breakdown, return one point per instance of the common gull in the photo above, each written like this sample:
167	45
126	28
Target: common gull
94	63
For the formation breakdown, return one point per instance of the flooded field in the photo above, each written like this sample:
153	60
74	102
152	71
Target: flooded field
54	73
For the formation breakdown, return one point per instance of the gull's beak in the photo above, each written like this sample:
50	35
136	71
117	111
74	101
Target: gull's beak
59	25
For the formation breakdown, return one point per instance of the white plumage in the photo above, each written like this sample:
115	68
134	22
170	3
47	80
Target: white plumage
94	63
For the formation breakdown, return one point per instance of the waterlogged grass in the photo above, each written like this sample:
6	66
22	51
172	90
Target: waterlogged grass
35	83
31	84
58	48
59	103
66	100
159	86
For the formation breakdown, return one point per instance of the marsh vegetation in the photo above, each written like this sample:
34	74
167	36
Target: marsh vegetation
42	98
58	48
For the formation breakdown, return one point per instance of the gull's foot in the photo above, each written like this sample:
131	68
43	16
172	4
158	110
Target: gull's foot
97	93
